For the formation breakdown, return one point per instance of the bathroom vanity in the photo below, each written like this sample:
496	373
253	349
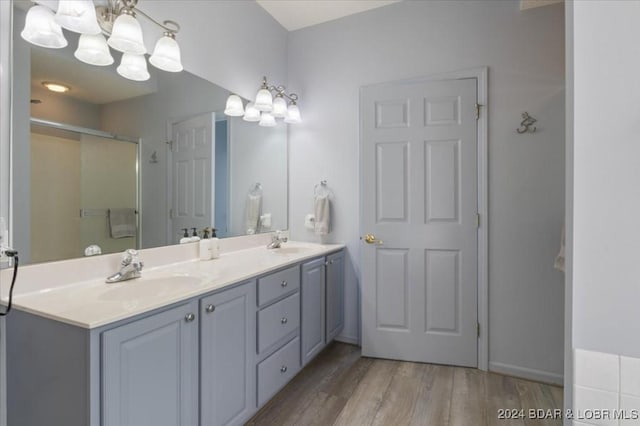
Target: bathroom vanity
194	343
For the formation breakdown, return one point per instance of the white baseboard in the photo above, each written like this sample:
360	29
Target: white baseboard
527	373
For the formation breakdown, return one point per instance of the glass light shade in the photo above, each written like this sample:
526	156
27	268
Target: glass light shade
166	55
293	115
126	35
279	107
93	50
41	29
264	100
267	120
133	67
234	106
251	113
78	16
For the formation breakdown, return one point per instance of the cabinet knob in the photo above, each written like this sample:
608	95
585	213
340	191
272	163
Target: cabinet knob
326	263
284	320
331	262
189	317
210	308
283	369
284	284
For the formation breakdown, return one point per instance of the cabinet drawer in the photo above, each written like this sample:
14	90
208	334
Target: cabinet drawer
278	284
275	371
278	320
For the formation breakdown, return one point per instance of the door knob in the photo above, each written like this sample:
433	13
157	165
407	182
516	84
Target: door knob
371	239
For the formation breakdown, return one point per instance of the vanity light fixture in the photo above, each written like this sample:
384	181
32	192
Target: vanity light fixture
118	21
270	103
56	87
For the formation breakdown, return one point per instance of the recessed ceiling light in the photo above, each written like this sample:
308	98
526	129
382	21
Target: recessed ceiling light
56	87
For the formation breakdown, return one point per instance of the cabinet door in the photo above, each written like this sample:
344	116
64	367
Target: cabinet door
228	347
150	370
335	294
313	312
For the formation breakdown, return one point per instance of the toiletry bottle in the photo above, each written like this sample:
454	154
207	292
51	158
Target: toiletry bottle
215	245
185	236
205	245
194	236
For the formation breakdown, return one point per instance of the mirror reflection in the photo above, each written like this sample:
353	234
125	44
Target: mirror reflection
102	163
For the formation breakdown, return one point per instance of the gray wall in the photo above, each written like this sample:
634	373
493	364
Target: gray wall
606	59
21	151
5	117
525	55
568	254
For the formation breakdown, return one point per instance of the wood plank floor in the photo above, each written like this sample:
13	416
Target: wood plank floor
340	387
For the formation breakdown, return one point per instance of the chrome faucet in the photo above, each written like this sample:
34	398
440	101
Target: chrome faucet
276	241
130	267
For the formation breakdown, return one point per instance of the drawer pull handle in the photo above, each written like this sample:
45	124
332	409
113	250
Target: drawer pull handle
284	320
210	308
189	317
283	369
284	284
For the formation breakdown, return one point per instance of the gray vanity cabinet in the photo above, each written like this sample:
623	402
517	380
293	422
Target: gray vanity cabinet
313	308
150	370
335	294
227	363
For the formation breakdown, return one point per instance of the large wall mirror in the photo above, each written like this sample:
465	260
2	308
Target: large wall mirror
123	164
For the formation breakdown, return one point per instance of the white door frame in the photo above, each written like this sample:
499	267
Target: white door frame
481	76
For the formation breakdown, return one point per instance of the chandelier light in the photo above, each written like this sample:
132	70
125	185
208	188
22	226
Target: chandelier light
41	29
251	113
93	50
117	20
78	16
270	103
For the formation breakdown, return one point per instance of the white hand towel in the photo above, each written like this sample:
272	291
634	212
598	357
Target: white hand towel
252	213
122	223
322	211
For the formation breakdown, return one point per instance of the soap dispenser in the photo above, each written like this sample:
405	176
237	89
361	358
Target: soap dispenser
185	236
214	244
205	245
194	236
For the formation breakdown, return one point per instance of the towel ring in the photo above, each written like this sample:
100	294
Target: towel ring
321	189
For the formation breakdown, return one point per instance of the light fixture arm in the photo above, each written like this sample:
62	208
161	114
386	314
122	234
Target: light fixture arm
108	14
279	91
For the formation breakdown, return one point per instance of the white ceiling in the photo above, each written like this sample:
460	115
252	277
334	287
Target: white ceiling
296	14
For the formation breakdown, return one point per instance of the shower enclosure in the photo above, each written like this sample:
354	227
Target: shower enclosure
77	176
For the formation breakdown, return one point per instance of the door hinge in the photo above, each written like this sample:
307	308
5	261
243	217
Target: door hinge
478	110
477	220
170	143
478	329
171	214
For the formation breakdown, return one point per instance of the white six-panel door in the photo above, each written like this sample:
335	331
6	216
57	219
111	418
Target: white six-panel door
419	201
192	177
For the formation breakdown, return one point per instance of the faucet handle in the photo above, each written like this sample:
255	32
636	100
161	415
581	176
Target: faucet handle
129	256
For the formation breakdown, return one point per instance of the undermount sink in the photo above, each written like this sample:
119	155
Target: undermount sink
289	250
141	288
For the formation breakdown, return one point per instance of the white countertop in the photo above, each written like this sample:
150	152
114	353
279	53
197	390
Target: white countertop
94	303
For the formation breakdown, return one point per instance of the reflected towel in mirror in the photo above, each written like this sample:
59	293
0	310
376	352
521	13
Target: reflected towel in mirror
252	213
322	211
122	223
